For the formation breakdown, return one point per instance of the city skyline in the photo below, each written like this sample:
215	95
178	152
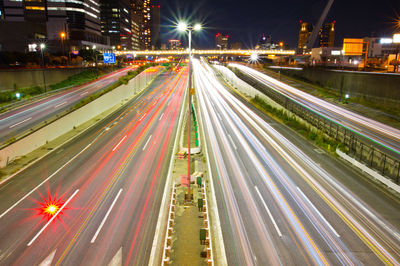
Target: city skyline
245	23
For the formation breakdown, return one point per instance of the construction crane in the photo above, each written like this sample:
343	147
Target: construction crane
314	34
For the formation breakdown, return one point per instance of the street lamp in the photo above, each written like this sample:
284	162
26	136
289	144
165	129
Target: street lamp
42	47
183	27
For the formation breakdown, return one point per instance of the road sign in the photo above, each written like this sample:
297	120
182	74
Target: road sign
109	58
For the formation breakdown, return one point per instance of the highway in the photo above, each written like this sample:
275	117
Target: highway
374	131
282	200
21	119
107	184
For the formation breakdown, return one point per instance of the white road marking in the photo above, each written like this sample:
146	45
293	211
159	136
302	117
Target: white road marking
219	117
52	218
117	259
154	103
47	179
119	143
142	117
147	142
105	217
234	146
23	121
320	215
47	261
84	93
161	117
269	213
58	105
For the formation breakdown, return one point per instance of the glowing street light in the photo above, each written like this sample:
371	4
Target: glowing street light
183	27
254	57
197	27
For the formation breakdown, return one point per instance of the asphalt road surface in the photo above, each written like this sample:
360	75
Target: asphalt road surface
387	137
21	119
282	200
107	183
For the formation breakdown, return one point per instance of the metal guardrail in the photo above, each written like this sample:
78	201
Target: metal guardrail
369	153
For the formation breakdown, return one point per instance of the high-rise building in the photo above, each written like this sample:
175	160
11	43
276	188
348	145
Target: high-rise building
81	19
327	35
155	36
135	28
221	41
304	33
146	26
21	23
137	24
141	8
116	22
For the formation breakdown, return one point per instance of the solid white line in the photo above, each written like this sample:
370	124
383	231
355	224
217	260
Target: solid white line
315	209
119	143
269	213
154	103
147	142
105	217
219	117
21	122
52	218
232	141
84	93
58	105
161	117
142	117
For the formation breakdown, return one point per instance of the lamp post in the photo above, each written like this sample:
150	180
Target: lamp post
42	47
183	27
396	40
62	35
95	58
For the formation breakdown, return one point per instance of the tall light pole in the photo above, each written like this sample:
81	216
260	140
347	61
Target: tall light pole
62	35
42	47
396	40
95	58
188	28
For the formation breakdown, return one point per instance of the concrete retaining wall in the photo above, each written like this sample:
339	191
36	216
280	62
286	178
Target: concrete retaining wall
34	77
369	171
377	87
75	118
245	88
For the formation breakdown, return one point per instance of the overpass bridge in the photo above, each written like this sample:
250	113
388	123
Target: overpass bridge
207	52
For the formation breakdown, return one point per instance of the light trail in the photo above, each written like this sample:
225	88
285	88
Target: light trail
241	122
375	131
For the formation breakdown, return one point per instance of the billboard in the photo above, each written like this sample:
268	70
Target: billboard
353	46
109	58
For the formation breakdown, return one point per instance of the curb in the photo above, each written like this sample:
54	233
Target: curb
371	172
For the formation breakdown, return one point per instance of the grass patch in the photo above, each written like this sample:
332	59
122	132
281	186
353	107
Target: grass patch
316	137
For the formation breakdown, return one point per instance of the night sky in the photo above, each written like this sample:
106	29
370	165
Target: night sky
245	20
